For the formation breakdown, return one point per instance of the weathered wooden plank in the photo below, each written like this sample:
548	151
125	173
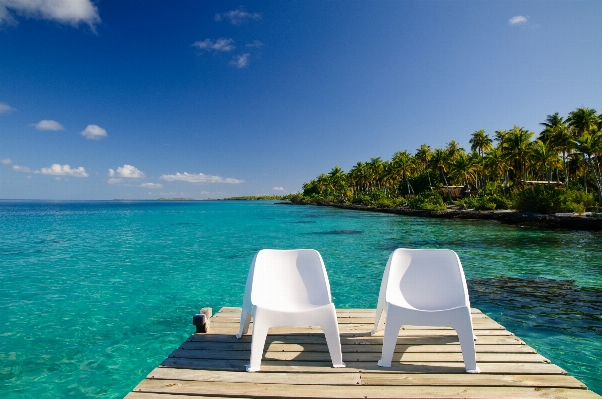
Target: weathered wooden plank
360	391
167	373
338	310
323	347
361	357
356	319
479	324
356	378
493	380
150	395
361	340
364	367
233	330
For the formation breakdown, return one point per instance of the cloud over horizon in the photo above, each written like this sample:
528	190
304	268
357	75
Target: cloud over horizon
278	188
48	124
151	185
238	16
199	178
63	170
71	12
4	107
6	161
94	132
517	20
127	171
22	169
221	44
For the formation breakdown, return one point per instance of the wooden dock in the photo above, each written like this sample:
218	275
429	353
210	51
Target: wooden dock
296	364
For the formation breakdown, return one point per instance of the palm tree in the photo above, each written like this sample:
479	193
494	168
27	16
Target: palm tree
497	162
557	133
453	149
480	142
582	120
543	154
336	178
357	175
501	136
423	156
375	167
590	144
403	162
518	144
551	125
462	168
440	161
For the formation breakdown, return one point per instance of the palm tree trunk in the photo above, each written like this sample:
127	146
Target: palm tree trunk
597	178
566	170
585	173
449	199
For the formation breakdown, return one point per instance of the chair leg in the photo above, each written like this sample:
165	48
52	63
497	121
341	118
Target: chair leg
245	320
331	332
389	340
260	332
465	334
379	320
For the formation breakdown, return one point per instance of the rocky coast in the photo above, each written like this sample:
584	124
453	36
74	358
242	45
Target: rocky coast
511	217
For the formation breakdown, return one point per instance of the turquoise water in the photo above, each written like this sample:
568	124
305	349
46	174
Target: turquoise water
94	295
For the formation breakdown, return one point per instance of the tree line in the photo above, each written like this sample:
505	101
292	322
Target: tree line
567	151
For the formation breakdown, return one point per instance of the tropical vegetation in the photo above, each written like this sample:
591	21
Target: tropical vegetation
257	198
557	171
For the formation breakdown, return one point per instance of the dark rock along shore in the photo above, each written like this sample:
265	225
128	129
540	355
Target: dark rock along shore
503	216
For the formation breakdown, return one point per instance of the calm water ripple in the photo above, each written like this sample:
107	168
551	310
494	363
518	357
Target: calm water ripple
95	294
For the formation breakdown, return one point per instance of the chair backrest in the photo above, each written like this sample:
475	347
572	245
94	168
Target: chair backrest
288	279
426	279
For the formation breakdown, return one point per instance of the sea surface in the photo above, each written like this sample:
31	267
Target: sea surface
94	295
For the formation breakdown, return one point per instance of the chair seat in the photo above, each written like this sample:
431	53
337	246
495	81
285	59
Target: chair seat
425	288
290	309
288	288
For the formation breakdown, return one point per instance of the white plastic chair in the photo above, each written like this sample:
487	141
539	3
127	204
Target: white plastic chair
288	288
425	287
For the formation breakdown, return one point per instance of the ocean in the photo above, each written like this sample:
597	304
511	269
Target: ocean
95	294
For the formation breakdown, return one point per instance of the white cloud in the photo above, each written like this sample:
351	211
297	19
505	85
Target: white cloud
238	16
6	161
199	178
63	170
127	171
93	132
256	43
69	12
48	124
4	107
20	168
517	20
277	188
151	185
240	61
115	180
221	44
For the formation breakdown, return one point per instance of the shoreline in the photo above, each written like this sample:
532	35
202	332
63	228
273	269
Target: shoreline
510	217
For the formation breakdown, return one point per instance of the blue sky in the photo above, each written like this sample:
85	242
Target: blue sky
207	99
